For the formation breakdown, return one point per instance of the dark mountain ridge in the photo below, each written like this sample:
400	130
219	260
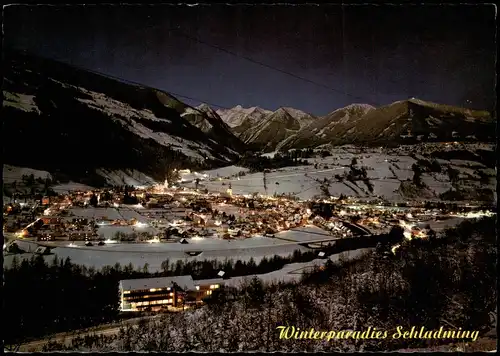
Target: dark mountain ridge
57	117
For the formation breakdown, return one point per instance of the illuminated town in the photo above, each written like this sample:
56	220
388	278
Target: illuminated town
230	178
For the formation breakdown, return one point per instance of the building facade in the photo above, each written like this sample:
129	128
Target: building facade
160	293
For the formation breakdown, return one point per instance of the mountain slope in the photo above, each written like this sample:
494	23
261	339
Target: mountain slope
208	121
273	128
57	117
241	120
402	122
238	115
322	130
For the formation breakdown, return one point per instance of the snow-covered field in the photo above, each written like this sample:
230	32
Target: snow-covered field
129	177
121	213
299	181
12	173
155	253
293	272
225	171
71	186
385	170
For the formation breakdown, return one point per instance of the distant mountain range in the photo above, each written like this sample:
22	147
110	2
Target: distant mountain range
265	129
62	119
403	122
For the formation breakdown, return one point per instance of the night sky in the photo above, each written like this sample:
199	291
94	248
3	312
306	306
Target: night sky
355	54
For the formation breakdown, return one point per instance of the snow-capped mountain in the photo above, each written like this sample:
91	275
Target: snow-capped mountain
321	130
208	121
239	115
267	129
59	118
402	122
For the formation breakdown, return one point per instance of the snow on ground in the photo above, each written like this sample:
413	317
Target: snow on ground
128	177
293	272
225	171
155	253
440	225
466	172
338	188
464	163
386	170
269	154
300	181
20	101
436	185
303	234
111	106
122	213
305	181
71	186
386	188
12	173
132	118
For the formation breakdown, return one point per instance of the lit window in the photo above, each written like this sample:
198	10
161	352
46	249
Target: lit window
171	294
168	288
126	292
216	286
170	300
152	290
212	286
209	292
197	287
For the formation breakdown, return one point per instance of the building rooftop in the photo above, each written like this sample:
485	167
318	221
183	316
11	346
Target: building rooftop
199	282
185	282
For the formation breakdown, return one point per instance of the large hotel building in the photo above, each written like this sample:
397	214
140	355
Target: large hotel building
164	292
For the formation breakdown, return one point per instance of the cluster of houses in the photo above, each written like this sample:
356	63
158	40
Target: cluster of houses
181	213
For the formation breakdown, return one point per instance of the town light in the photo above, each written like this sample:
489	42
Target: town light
22	233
